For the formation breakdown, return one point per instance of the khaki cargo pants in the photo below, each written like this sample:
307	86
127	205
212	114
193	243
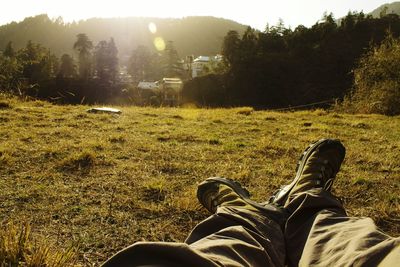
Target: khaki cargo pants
313	230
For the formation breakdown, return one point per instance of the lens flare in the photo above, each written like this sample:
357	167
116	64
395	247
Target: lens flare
152	27
159	43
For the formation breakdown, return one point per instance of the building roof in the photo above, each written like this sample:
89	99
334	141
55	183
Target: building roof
148	85
172	80
202	59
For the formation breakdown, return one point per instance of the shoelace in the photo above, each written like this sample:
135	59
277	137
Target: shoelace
327	173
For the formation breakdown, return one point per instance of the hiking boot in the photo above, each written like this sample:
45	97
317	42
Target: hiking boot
217	191
317	168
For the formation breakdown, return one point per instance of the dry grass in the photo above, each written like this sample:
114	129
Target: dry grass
245	110
18	248
5	105
100	182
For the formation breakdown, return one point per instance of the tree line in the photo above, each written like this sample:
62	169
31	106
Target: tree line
276	68
93	78
280	67
36	71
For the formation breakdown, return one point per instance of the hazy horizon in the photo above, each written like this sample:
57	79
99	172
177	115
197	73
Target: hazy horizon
255	13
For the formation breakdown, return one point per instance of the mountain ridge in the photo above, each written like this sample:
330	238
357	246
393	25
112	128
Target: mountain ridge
391	8
191	35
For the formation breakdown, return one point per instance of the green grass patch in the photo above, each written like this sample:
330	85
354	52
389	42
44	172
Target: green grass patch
105	181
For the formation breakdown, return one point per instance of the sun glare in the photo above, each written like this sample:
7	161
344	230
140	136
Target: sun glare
159	43
152	27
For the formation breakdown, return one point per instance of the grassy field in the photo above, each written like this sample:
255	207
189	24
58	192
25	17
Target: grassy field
99	182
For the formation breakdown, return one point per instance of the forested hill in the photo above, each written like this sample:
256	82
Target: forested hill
392	8
191	35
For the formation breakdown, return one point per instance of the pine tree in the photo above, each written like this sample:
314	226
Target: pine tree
67	67
172	65
106	61
140	64
9	50
112	54
84	47
230	48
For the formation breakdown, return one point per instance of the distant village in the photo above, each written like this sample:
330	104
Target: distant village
169	88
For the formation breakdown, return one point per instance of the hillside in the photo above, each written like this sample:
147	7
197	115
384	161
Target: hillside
392	8
191	35
101	181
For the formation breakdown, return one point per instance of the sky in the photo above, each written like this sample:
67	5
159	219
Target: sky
256	13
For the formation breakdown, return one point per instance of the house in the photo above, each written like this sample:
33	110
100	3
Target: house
200	62
164	92
198	65
170	91
147	85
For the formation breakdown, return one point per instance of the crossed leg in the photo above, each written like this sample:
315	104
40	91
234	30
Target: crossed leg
238	234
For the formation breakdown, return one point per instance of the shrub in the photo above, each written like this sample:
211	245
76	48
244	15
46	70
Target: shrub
377	81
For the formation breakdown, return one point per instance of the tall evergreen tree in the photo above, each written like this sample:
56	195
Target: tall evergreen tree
100	61
106	61
9	50
84	47
113	64
230	48
140	64
10	70
37	62
67	67
172	65
10	74
248	46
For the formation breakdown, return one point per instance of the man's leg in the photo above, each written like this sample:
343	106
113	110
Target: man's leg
239	233
319	233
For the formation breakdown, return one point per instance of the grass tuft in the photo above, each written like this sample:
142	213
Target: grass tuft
245	111
214	142
5	158
154	191
270	119
178	117
361	181
82	161
5	104
18	248
118	139
163	138
361	125
320	112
